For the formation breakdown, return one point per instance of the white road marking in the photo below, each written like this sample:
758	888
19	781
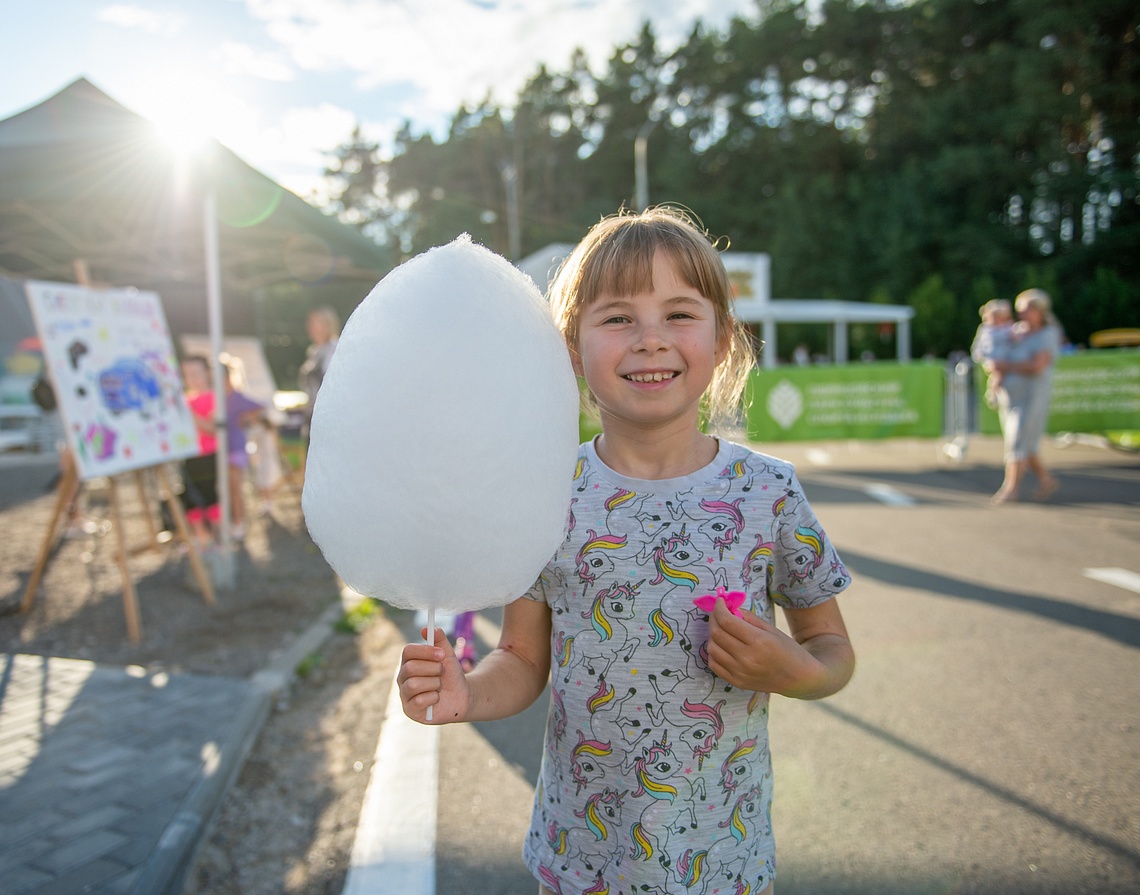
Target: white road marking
888	495
818	456
1119	577
394	851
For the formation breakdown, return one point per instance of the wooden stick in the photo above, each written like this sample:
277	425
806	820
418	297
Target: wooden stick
153	543
130	603
180	523
68	479
429	637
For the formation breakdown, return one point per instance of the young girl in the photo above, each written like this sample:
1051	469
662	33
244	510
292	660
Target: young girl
656	774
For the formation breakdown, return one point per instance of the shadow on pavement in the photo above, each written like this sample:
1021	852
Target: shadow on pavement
1121	628
994	789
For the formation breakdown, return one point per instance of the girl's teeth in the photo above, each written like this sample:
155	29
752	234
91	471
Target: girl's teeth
650	377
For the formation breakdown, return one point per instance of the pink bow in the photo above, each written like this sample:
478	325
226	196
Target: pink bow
733	599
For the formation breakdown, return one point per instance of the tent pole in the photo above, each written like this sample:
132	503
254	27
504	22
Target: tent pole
224	571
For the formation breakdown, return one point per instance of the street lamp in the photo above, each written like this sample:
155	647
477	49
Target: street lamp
641	164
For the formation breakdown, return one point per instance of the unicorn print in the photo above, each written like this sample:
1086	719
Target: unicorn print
595	649
672	808
725	524
724	859
671	556
585	767
803	548
596	844
592	561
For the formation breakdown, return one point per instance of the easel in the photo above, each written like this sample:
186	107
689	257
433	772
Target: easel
68	487
68	484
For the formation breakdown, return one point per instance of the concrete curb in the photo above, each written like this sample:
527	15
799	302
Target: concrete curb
166	870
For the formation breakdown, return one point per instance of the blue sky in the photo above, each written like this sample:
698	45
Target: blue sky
282	81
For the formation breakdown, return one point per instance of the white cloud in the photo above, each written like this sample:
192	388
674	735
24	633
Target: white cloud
457	50
268	66
127	16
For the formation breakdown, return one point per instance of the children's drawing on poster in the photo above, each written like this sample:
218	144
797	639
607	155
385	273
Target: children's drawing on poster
112	364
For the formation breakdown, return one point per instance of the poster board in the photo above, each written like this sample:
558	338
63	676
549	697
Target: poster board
111	362
879	400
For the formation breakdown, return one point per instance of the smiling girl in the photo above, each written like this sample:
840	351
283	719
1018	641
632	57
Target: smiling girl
666	698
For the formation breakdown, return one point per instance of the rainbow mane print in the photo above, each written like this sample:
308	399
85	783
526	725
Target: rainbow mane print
710	714
736	521
662	630
741	750
598	888
762	548
666	572
690	867
735	822
590	748
619	497
593	817
594	541
645	782
602	696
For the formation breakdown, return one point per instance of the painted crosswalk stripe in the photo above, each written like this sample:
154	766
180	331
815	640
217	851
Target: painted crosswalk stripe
1119	577
888	495
394	851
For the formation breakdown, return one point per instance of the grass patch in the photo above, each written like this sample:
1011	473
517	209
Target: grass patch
358	617
309	664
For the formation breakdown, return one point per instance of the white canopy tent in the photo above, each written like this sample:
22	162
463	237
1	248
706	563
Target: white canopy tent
751	277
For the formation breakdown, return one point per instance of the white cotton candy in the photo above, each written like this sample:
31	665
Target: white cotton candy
444	436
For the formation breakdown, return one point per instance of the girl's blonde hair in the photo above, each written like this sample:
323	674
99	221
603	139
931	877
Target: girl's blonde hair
616	258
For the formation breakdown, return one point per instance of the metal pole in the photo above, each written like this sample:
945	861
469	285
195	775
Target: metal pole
224	570
641	165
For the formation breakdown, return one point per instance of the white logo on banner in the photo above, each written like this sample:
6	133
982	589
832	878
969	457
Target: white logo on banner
785	404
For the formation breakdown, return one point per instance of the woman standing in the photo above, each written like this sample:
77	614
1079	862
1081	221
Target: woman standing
1023	397
323	328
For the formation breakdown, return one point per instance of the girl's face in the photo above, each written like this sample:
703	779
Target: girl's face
317	328
648	358
195	377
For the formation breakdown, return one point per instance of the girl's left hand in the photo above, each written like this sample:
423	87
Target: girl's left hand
752	654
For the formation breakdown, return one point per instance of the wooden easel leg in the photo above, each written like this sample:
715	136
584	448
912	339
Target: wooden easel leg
175	506
130	604
153	542
69	478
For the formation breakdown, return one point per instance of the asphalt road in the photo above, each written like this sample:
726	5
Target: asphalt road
988	742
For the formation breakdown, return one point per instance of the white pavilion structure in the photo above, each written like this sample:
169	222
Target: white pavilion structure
750	273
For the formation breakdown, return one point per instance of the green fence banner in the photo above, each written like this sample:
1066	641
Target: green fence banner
877	400
1093	391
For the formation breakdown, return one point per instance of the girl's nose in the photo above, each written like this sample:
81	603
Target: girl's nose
650	338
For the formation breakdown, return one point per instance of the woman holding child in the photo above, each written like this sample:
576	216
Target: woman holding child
1025	368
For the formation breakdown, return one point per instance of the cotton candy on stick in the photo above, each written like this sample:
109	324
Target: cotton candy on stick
444	436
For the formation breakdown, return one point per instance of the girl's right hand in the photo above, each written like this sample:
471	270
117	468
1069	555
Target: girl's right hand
430	675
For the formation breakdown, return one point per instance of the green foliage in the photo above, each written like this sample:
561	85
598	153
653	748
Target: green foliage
309	664
935	316
359	617
943	150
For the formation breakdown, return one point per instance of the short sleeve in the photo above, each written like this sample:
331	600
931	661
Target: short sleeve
544	589
806	569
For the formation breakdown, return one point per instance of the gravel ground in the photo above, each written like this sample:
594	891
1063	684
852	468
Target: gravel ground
289	823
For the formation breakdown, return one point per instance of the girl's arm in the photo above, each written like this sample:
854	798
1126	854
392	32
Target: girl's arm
504	683
815	661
